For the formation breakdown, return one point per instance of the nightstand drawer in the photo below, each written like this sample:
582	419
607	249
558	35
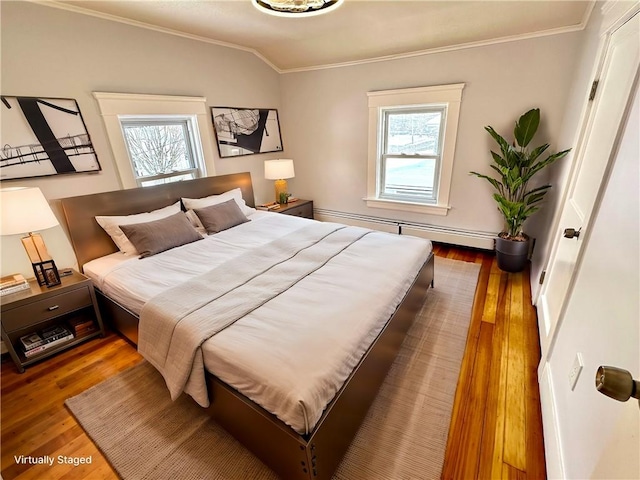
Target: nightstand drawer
305	211
35	312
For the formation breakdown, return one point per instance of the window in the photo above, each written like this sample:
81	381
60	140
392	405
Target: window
161	149
411	148
157	138
411	153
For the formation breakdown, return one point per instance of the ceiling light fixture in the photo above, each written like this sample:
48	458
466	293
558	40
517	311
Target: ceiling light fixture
296	8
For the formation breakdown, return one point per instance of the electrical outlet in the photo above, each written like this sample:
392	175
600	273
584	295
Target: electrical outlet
576	368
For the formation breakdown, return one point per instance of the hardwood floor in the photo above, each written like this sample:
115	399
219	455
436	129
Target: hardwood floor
496	428
496	425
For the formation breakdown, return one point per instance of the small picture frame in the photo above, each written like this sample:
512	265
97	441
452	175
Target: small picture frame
46	273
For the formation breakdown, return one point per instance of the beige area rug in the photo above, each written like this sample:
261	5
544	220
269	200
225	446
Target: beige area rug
146	436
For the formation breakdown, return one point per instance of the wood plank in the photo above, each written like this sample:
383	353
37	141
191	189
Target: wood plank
493	293
470	424
511	473
501	397
461	403
493	434
515	435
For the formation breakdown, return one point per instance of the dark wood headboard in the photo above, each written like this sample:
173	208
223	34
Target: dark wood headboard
90	241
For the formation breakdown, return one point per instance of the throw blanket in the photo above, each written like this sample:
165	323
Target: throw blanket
175	324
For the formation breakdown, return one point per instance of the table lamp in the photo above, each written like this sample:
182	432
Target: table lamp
25	210
279	170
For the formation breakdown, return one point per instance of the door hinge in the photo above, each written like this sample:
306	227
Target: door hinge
542	275
594	89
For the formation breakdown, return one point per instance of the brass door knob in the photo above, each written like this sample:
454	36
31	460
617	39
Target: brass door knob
572	232
617	383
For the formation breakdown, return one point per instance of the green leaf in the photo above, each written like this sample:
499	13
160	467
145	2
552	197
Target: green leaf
536	190
504	145
498	159
535	153
536	195
501	171
535	198
497	185
526	127
543	163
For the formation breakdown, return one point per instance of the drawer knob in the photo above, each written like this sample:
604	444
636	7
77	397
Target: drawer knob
53	307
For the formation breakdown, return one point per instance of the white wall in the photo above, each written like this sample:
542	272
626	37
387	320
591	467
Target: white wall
575	107
47	52
327	115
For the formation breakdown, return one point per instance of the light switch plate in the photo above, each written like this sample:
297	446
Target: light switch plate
576	368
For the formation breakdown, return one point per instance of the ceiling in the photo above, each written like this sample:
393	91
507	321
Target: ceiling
357	31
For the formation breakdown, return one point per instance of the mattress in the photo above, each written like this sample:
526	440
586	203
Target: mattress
292	354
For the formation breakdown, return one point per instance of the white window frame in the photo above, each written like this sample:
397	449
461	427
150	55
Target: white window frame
447	96
117	106
192	140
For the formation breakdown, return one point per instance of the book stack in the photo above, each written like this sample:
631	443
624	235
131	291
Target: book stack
268	206
81	326
12	284
37	342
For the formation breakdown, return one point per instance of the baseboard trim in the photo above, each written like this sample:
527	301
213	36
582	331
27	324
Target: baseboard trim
550	427
436	233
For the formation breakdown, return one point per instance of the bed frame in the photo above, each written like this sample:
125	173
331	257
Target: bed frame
314	456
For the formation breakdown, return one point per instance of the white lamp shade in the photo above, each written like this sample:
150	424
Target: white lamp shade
25	210
278	169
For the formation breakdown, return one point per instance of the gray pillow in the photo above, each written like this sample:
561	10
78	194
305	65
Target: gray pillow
222	216
154	237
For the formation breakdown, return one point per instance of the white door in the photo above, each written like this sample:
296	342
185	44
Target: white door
593	156
593	436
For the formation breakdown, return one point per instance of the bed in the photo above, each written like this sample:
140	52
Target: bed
297	443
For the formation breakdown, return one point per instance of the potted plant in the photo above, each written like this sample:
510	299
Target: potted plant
516	164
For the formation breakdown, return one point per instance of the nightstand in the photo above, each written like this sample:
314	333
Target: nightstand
299	208
39	307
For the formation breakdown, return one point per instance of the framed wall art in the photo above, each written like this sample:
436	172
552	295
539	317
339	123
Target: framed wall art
43	136
246	131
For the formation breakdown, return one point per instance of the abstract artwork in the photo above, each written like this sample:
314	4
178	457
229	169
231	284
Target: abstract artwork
246	131
43	136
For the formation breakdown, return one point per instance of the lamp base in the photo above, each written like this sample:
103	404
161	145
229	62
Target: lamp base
281	187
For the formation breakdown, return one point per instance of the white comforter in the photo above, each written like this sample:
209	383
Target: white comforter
293	353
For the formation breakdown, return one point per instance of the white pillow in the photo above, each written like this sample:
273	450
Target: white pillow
195	221
236	194
111	224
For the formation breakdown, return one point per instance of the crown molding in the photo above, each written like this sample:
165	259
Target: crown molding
148	26
417	53
450	48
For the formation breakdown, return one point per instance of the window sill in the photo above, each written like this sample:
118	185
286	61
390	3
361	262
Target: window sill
441	210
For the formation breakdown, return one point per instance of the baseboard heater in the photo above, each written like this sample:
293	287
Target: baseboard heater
437	233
